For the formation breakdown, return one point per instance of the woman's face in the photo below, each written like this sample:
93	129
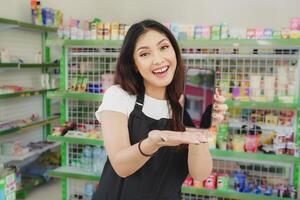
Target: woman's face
155	59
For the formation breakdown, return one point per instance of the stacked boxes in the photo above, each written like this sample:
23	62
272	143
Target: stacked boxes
8	184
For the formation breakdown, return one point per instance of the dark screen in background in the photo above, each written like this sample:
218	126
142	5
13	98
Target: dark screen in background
199	91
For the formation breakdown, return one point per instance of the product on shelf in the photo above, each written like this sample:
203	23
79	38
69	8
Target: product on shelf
45	16
18	123
7	184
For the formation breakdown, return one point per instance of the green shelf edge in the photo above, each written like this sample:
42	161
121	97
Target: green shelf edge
26	93
29	65
254	156
229	194
27	26
184	189
32	125
57	173
261	105
185	43
74	140
75	95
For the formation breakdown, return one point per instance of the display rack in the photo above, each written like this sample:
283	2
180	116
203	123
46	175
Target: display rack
24	41
234	61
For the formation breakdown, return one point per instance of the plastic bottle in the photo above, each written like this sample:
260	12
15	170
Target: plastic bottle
99	158
88	191
87	160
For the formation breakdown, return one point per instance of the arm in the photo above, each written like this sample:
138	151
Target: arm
199	161
125	159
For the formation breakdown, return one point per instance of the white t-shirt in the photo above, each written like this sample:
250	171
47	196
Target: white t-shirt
118	100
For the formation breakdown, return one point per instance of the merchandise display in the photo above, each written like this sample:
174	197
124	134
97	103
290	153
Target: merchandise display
255	150
98	30
7	184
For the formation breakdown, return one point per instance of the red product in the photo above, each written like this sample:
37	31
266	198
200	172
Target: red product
188	181
211	182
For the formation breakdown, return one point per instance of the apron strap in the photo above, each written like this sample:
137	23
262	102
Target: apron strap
139	102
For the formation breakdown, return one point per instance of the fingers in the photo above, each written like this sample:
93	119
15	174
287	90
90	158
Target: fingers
176	138
181	100
220	108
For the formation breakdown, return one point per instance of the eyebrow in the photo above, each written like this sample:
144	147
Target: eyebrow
145	47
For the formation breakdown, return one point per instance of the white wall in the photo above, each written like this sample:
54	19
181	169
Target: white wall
237	13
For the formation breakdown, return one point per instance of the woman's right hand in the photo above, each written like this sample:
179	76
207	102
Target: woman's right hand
174	138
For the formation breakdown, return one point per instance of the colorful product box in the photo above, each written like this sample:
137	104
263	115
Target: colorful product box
198	32
215	32
206	32
268	33
251	34
175	29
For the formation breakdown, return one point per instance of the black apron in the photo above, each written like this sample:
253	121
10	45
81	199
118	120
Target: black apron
160	178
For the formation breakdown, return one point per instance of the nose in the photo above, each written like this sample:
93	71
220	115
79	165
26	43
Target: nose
157	58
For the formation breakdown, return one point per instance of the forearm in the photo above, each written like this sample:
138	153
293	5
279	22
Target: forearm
128	160
199	161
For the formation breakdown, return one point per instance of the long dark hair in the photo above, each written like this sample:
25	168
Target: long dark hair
131	81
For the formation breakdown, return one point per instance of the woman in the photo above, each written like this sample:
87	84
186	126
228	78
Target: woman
150	153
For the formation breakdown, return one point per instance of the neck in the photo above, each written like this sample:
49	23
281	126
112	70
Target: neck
157	93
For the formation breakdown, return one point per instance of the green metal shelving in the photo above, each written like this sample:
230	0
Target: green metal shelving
75	95
65	172
229	194
73	172
67	139
28	126
262	105
254	156
26	93
22	66
9	23
186	43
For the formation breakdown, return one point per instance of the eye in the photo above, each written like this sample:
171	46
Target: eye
144	54
165	47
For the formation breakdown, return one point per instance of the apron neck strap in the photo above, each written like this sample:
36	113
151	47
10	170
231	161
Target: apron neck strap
139	102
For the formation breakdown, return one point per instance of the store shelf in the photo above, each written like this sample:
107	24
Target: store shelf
26	93
62	42
28	126
75	140
229	194
28	155
73	172
75	95
261	105
254	157
9	23
238	124
187	43
241	43
29	65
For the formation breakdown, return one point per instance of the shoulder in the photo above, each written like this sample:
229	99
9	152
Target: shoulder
118	100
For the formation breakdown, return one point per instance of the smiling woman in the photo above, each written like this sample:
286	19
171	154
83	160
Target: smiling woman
141	122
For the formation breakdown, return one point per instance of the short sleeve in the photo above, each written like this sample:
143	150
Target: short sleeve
114	99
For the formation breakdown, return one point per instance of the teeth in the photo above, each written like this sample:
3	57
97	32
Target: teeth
163	69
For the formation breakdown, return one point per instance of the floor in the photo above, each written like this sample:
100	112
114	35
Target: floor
48	191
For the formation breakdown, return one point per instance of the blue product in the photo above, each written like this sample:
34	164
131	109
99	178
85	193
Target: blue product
239	181
99	158
87	160
88	191
257	190
268	191
44	16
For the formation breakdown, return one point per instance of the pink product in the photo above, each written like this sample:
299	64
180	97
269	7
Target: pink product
188	182
295	23
206	32
251	143
259	33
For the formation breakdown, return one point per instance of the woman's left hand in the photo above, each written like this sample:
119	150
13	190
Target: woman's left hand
219	108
